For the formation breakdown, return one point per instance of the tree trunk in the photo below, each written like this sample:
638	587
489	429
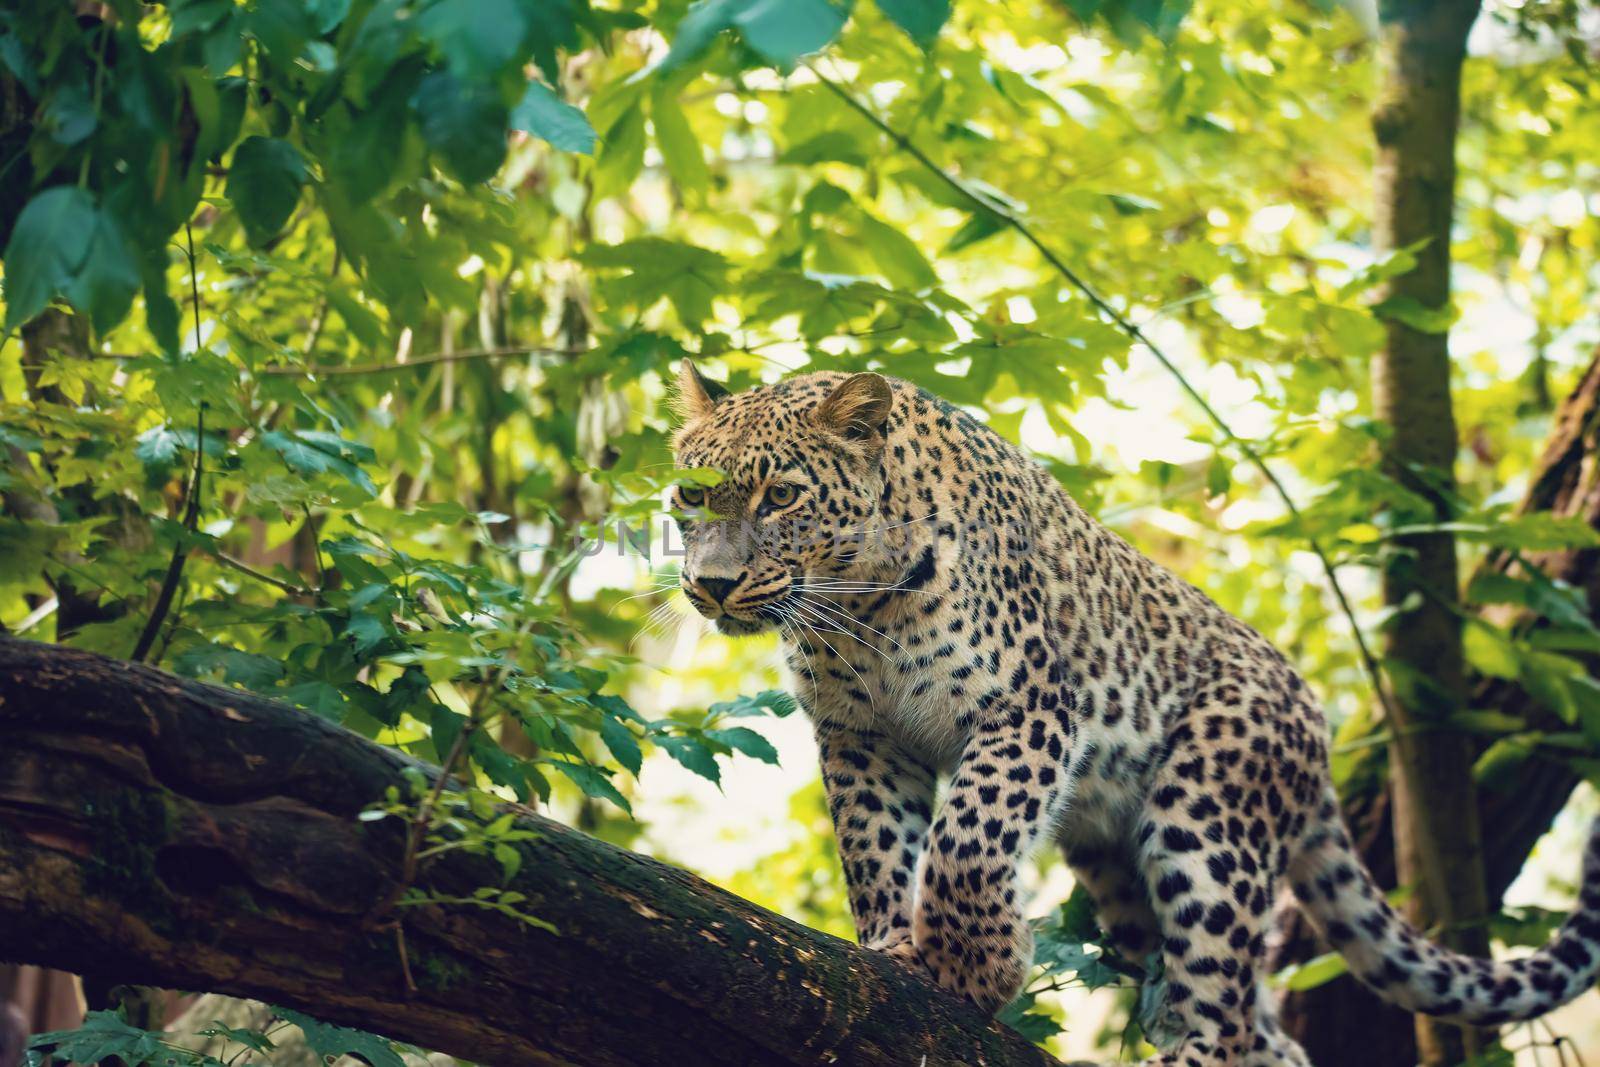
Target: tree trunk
1438	843
164	832
1565	482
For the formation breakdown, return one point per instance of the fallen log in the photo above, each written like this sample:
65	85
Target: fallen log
164	832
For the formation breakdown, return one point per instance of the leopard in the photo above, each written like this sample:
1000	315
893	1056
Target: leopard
950	615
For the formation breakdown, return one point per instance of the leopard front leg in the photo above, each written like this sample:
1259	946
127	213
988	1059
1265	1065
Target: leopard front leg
881	800
969	931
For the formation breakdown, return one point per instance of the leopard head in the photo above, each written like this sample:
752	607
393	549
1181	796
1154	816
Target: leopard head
803	476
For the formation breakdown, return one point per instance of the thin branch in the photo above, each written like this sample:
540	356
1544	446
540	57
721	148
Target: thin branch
1134	333
319	318
194	281
260	576
180	551
336	370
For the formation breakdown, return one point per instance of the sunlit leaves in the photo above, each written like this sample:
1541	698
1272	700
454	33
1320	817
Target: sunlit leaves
656	269
680	148
120	158
318	452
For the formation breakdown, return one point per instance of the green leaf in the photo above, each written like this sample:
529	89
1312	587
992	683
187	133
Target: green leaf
102	1035
1035	1026
621	154
1313	972
464	122
544	114
254	1040
743	739
257	672
705	19
896	255
693	754
157	448
554	25
264	185
62	245
366	631
1411	312
1496	766
593	782
105	284
363	150
772	702
687	276
320	697
623	745
282	27
476	37
680	149
68	117
160	310
921	19
311	452
784	30
331	1042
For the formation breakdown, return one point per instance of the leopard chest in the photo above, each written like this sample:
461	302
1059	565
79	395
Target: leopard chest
910	669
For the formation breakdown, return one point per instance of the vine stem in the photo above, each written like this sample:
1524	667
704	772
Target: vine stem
422	821
191	511
1137	335
180	551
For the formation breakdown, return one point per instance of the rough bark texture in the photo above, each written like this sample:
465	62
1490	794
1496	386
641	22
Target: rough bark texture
1437	839
1565	482
163	832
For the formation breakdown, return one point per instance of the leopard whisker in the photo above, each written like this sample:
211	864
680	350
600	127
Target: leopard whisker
832	610
873	704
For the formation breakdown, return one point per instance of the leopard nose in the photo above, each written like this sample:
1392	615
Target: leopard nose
717	588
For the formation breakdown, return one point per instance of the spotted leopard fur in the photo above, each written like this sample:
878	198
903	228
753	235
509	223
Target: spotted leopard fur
947	610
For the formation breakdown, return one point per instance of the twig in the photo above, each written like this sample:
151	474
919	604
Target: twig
244	568
335	370
316	547
319	318
194	281
1134	333
180	551
37	615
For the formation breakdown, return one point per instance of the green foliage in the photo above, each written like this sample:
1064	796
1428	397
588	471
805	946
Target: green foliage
1069	953
445	256
106	1037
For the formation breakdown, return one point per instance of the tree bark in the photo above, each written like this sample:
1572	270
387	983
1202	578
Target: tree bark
1437	838
1565	482
164	832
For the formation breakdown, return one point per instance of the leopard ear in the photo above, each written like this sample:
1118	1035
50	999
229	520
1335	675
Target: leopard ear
697	394
858	406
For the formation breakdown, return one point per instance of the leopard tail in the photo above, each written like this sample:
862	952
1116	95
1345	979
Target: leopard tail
1391	957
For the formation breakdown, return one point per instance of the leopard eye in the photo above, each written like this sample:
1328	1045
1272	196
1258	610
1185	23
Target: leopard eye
781	494
692	495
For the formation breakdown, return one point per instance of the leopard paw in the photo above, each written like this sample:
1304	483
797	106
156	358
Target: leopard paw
987	977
